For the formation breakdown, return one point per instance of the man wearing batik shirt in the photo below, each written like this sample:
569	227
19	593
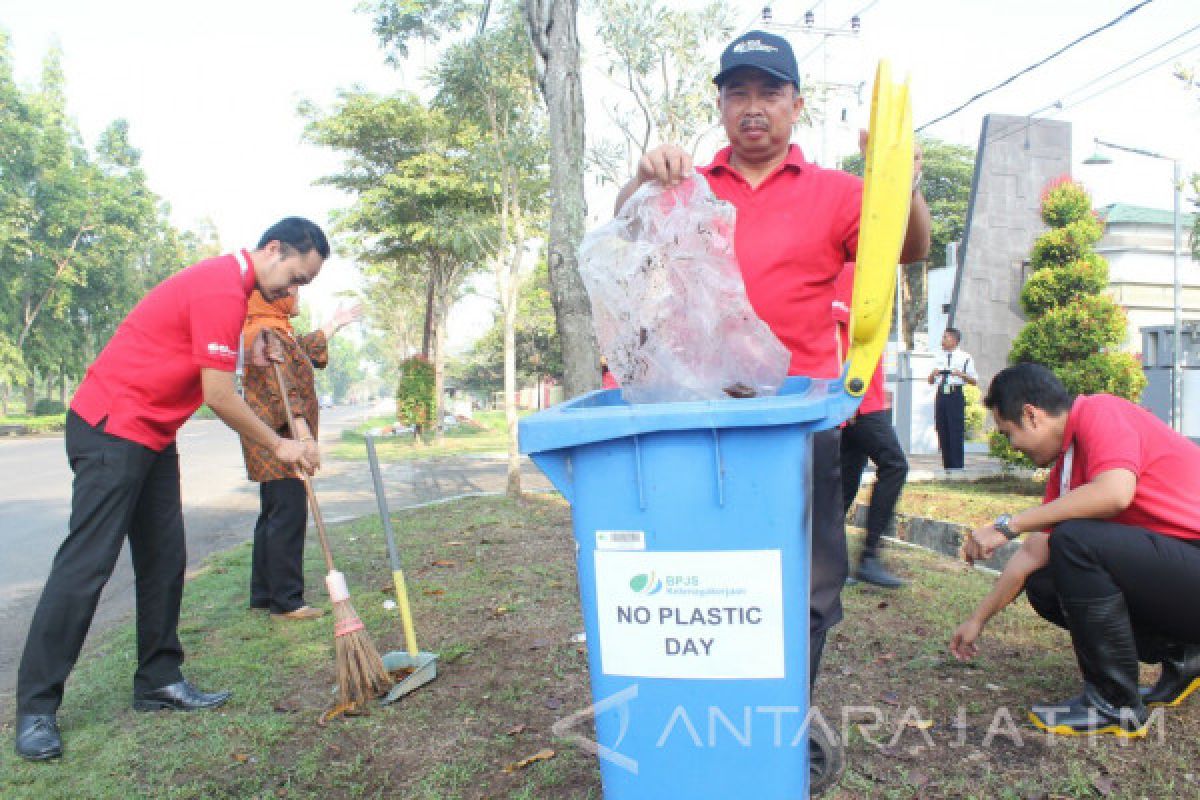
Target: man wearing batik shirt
277	563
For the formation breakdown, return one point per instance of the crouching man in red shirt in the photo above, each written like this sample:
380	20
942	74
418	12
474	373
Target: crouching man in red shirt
1122	508
178	348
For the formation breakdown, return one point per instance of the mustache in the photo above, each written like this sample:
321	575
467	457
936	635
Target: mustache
752	123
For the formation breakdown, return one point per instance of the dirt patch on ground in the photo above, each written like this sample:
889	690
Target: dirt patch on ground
493	590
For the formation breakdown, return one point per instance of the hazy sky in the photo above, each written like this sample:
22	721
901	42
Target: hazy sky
210	90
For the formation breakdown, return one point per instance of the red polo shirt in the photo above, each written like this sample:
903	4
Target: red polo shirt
875	398
794	232
1111	433
146	381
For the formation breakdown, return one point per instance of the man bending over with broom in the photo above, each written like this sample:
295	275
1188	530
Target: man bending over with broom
176	349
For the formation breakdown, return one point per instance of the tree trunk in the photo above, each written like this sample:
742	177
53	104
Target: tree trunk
439	375
508	302
551	25
428	327
4	389
30	394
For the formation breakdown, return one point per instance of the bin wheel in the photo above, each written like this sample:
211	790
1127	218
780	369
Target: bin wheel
826	760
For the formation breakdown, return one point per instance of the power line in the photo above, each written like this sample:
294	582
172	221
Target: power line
1114	70
1124	15
1058	106
1131	77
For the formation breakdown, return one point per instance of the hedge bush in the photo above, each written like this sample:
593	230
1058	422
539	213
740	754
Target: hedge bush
414	393
1074	327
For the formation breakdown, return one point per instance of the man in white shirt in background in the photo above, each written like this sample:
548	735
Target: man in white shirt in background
952	369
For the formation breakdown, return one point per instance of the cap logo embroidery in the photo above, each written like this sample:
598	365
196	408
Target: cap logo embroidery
754	45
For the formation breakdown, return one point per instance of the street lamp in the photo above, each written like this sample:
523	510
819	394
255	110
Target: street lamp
1177	353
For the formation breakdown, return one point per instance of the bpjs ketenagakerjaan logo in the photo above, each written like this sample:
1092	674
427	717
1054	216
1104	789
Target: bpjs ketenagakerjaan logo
651	583
646	583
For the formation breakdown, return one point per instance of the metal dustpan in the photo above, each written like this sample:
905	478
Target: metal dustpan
424	669
423	665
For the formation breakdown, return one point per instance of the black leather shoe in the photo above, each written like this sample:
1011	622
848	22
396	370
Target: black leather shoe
871	570
38	738
181	696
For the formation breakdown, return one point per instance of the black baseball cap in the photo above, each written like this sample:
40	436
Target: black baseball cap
763	51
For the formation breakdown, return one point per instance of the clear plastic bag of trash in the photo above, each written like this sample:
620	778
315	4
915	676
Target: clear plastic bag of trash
669	304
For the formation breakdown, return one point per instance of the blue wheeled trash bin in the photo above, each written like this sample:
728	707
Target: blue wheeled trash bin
692	525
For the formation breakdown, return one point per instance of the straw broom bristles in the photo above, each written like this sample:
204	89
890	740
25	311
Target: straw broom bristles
361	675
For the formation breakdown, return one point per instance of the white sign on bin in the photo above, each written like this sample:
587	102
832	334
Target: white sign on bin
691	615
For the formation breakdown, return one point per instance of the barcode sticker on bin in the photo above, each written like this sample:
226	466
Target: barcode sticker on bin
620	540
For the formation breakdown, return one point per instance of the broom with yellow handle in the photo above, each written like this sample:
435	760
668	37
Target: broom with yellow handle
361	675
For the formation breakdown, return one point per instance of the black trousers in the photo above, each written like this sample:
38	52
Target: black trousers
948	417
829	566
121	490
277	564
871	436
1156	574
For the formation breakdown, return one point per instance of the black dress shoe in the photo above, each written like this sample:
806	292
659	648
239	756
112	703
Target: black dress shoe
181	696
38	738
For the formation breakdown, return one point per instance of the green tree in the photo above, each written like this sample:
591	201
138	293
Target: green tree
490	81
418	196
398	22
1074	327
82	237
551	29
946	184
660	58
17	128
538	354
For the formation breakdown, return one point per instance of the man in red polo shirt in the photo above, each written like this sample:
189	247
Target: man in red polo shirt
1122	508
178	348
869	435
797	225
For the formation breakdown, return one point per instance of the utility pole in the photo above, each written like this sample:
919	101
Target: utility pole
822	90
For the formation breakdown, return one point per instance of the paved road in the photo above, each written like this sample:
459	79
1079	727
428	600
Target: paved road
219	506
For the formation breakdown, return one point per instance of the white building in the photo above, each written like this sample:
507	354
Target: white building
1137	244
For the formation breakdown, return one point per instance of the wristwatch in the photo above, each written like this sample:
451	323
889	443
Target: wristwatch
1003	524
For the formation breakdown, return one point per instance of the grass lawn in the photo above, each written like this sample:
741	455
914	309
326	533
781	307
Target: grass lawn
493	588
486	435
972	503
46	423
